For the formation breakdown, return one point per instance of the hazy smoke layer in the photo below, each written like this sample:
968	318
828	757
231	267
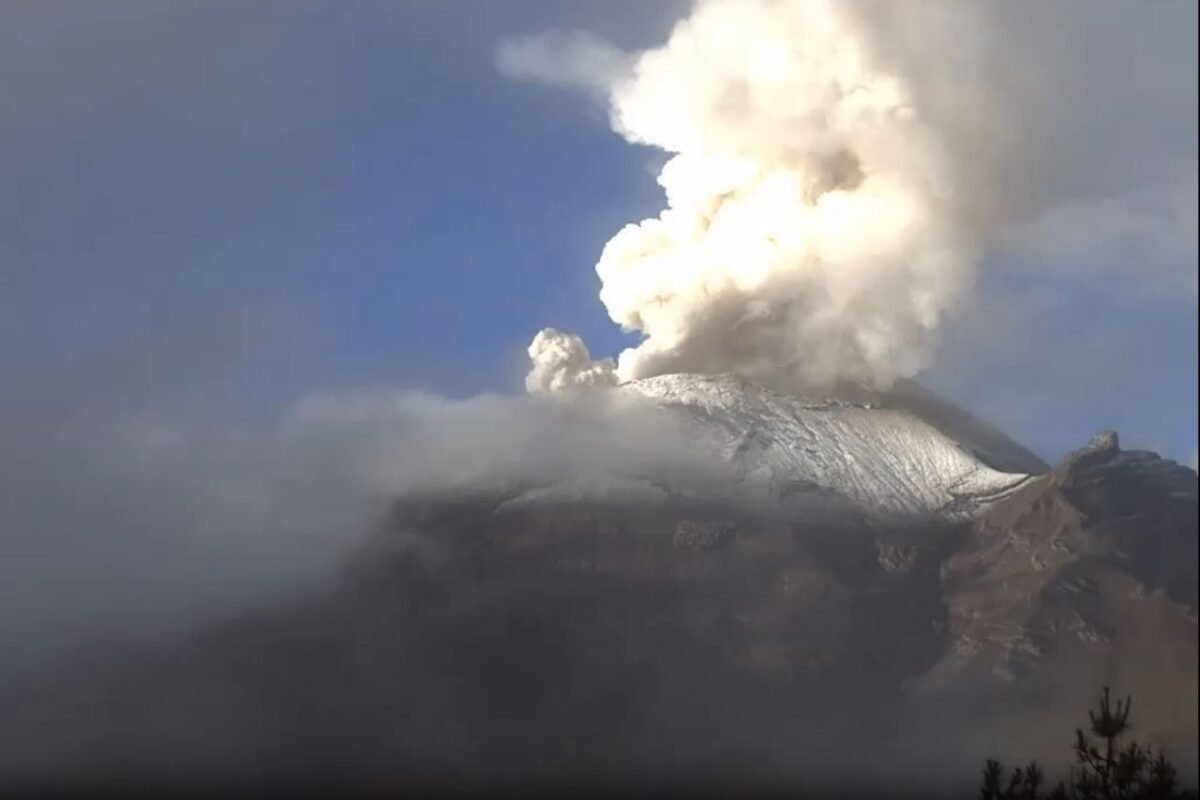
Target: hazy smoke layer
134	523
808	223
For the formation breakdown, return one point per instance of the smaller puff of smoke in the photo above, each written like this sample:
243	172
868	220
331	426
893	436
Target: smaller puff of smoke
562	361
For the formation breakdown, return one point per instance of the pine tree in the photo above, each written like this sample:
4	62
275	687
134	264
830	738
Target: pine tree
1103	770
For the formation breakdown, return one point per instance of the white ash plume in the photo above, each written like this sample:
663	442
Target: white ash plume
809	225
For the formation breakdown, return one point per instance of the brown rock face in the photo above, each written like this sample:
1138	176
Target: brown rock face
1086	576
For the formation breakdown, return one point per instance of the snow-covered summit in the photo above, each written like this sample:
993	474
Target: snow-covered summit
813	450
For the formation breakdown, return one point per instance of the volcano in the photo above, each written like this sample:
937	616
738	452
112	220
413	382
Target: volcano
881	590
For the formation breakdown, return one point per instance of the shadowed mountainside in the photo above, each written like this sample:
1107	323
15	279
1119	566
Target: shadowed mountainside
478	640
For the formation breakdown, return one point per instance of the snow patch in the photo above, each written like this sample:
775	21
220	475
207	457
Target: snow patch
884	461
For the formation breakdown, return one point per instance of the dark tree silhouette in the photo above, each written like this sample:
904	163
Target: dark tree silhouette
1104	769
1024	783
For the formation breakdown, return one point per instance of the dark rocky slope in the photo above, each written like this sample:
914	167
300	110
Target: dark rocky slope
477	641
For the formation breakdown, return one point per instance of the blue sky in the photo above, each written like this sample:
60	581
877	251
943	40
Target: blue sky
226	205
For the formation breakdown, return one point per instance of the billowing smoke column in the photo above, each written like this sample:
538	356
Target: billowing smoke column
808	227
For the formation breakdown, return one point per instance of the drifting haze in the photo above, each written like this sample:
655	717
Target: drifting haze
572	59
125	516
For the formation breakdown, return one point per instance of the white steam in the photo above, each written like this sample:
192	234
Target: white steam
809	221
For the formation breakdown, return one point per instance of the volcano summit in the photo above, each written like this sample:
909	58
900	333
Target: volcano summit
853	581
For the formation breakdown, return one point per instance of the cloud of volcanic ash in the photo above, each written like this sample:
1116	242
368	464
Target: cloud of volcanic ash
836	171
810	217
130	513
